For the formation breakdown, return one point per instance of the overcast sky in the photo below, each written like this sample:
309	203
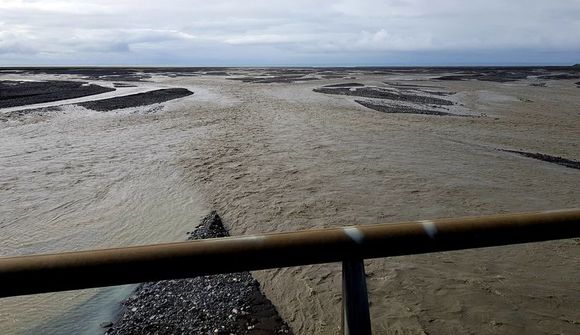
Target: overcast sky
296	32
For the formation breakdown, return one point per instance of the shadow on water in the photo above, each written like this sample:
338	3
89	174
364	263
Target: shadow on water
92	314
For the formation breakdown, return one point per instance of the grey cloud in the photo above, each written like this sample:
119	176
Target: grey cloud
349	32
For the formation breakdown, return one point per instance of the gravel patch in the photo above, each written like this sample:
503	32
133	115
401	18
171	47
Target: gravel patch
25	114
378	93
409	85
123	85
269	80
547	158
402	109
22	93
561	76
346	85
135	100
220	304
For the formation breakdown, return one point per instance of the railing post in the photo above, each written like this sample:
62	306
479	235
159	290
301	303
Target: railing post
356	318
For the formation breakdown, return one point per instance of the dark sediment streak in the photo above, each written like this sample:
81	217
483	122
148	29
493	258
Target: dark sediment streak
510	74
377	93
346	85
123	85
22	93
21	115
562	76
547	158
270	80
135	100
410	85
402	109
220	304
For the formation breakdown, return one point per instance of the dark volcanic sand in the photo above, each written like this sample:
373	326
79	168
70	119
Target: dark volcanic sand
220	304
21	93
378	93
402	109
547	158
135	100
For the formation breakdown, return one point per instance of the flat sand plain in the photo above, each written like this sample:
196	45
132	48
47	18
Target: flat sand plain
273	155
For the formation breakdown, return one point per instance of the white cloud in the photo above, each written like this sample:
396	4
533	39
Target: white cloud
300	31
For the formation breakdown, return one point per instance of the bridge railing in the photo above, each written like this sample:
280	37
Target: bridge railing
350	245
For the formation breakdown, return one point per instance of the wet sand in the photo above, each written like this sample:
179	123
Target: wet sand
280	157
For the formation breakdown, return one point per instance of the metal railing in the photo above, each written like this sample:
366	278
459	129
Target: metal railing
350	245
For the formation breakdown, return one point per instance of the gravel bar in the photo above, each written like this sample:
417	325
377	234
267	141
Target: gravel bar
135	100
378	93
402	109
219	304
22	93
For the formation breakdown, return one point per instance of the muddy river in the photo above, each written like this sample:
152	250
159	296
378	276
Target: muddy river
272	157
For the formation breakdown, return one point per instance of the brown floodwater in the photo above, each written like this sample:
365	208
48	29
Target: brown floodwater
280	157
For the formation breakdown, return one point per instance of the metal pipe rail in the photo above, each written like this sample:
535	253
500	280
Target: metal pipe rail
85	269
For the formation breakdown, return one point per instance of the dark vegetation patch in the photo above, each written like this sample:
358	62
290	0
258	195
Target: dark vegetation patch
547	158
578	84
378	93
538	84
21	93
135	100
402	109
346	85
219	304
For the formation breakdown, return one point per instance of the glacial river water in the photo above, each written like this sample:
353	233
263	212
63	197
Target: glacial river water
86	180
279	157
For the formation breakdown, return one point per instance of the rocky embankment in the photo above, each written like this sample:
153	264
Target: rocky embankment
220	304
